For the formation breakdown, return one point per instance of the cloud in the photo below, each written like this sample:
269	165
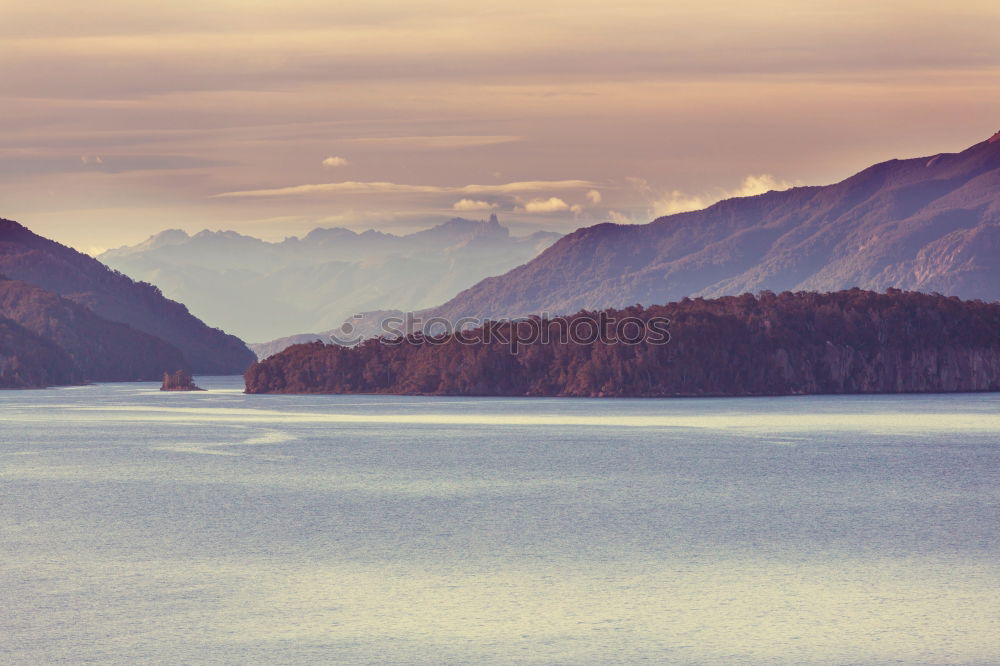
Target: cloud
437	142
333	162
638	184
470	204
594	197
753	185
86	159
679	202
93	250
550	205
355	187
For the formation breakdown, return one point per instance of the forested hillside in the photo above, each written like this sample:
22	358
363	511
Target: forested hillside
102	350
792	343
44	263
28	360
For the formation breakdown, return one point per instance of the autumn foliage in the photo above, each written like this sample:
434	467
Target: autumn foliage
771	344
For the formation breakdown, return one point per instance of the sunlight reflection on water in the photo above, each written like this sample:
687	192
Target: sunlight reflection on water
223	528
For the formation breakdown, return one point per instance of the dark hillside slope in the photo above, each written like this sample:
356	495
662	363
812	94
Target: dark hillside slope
102	350
28	360
111	295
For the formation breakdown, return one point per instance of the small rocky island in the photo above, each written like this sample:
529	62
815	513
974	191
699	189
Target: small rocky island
179	380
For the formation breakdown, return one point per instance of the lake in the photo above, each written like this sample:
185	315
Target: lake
141	526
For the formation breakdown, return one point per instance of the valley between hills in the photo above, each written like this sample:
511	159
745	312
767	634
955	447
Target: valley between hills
903	250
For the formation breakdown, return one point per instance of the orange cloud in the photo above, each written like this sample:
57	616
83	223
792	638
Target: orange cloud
679	202
355	187
550	205
470	205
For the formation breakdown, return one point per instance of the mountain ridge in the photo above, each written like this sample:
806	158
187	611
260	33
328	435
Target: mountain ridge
42	262
926	223
101	349
265	290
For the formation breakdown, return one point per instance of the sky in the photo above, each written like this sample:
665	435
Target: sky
119	118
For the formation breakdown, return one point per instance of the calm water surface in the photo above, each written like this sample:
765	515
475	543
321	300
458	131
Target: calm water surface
144	527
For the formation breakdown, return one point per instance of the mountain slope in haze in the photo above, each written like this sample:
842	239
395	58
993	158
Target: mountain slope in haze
265	349
27	360
355	329
930	224
39	261
263	290
102	350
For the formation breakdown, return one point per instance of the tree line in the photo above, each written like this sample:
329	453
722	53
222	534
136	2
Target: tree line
850	341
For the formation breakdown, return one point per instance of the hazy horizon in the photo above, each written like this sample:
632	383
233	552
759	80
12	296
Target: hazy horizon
272	119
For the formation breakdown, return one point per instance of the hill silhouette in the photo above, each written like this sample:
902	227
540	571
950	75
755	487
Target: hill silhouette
101	350
27	360
929	224
792	343
31	258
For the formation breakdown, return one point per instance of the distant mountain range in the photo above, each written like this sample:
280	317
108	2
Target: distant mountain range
109	327
929	224
261	290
